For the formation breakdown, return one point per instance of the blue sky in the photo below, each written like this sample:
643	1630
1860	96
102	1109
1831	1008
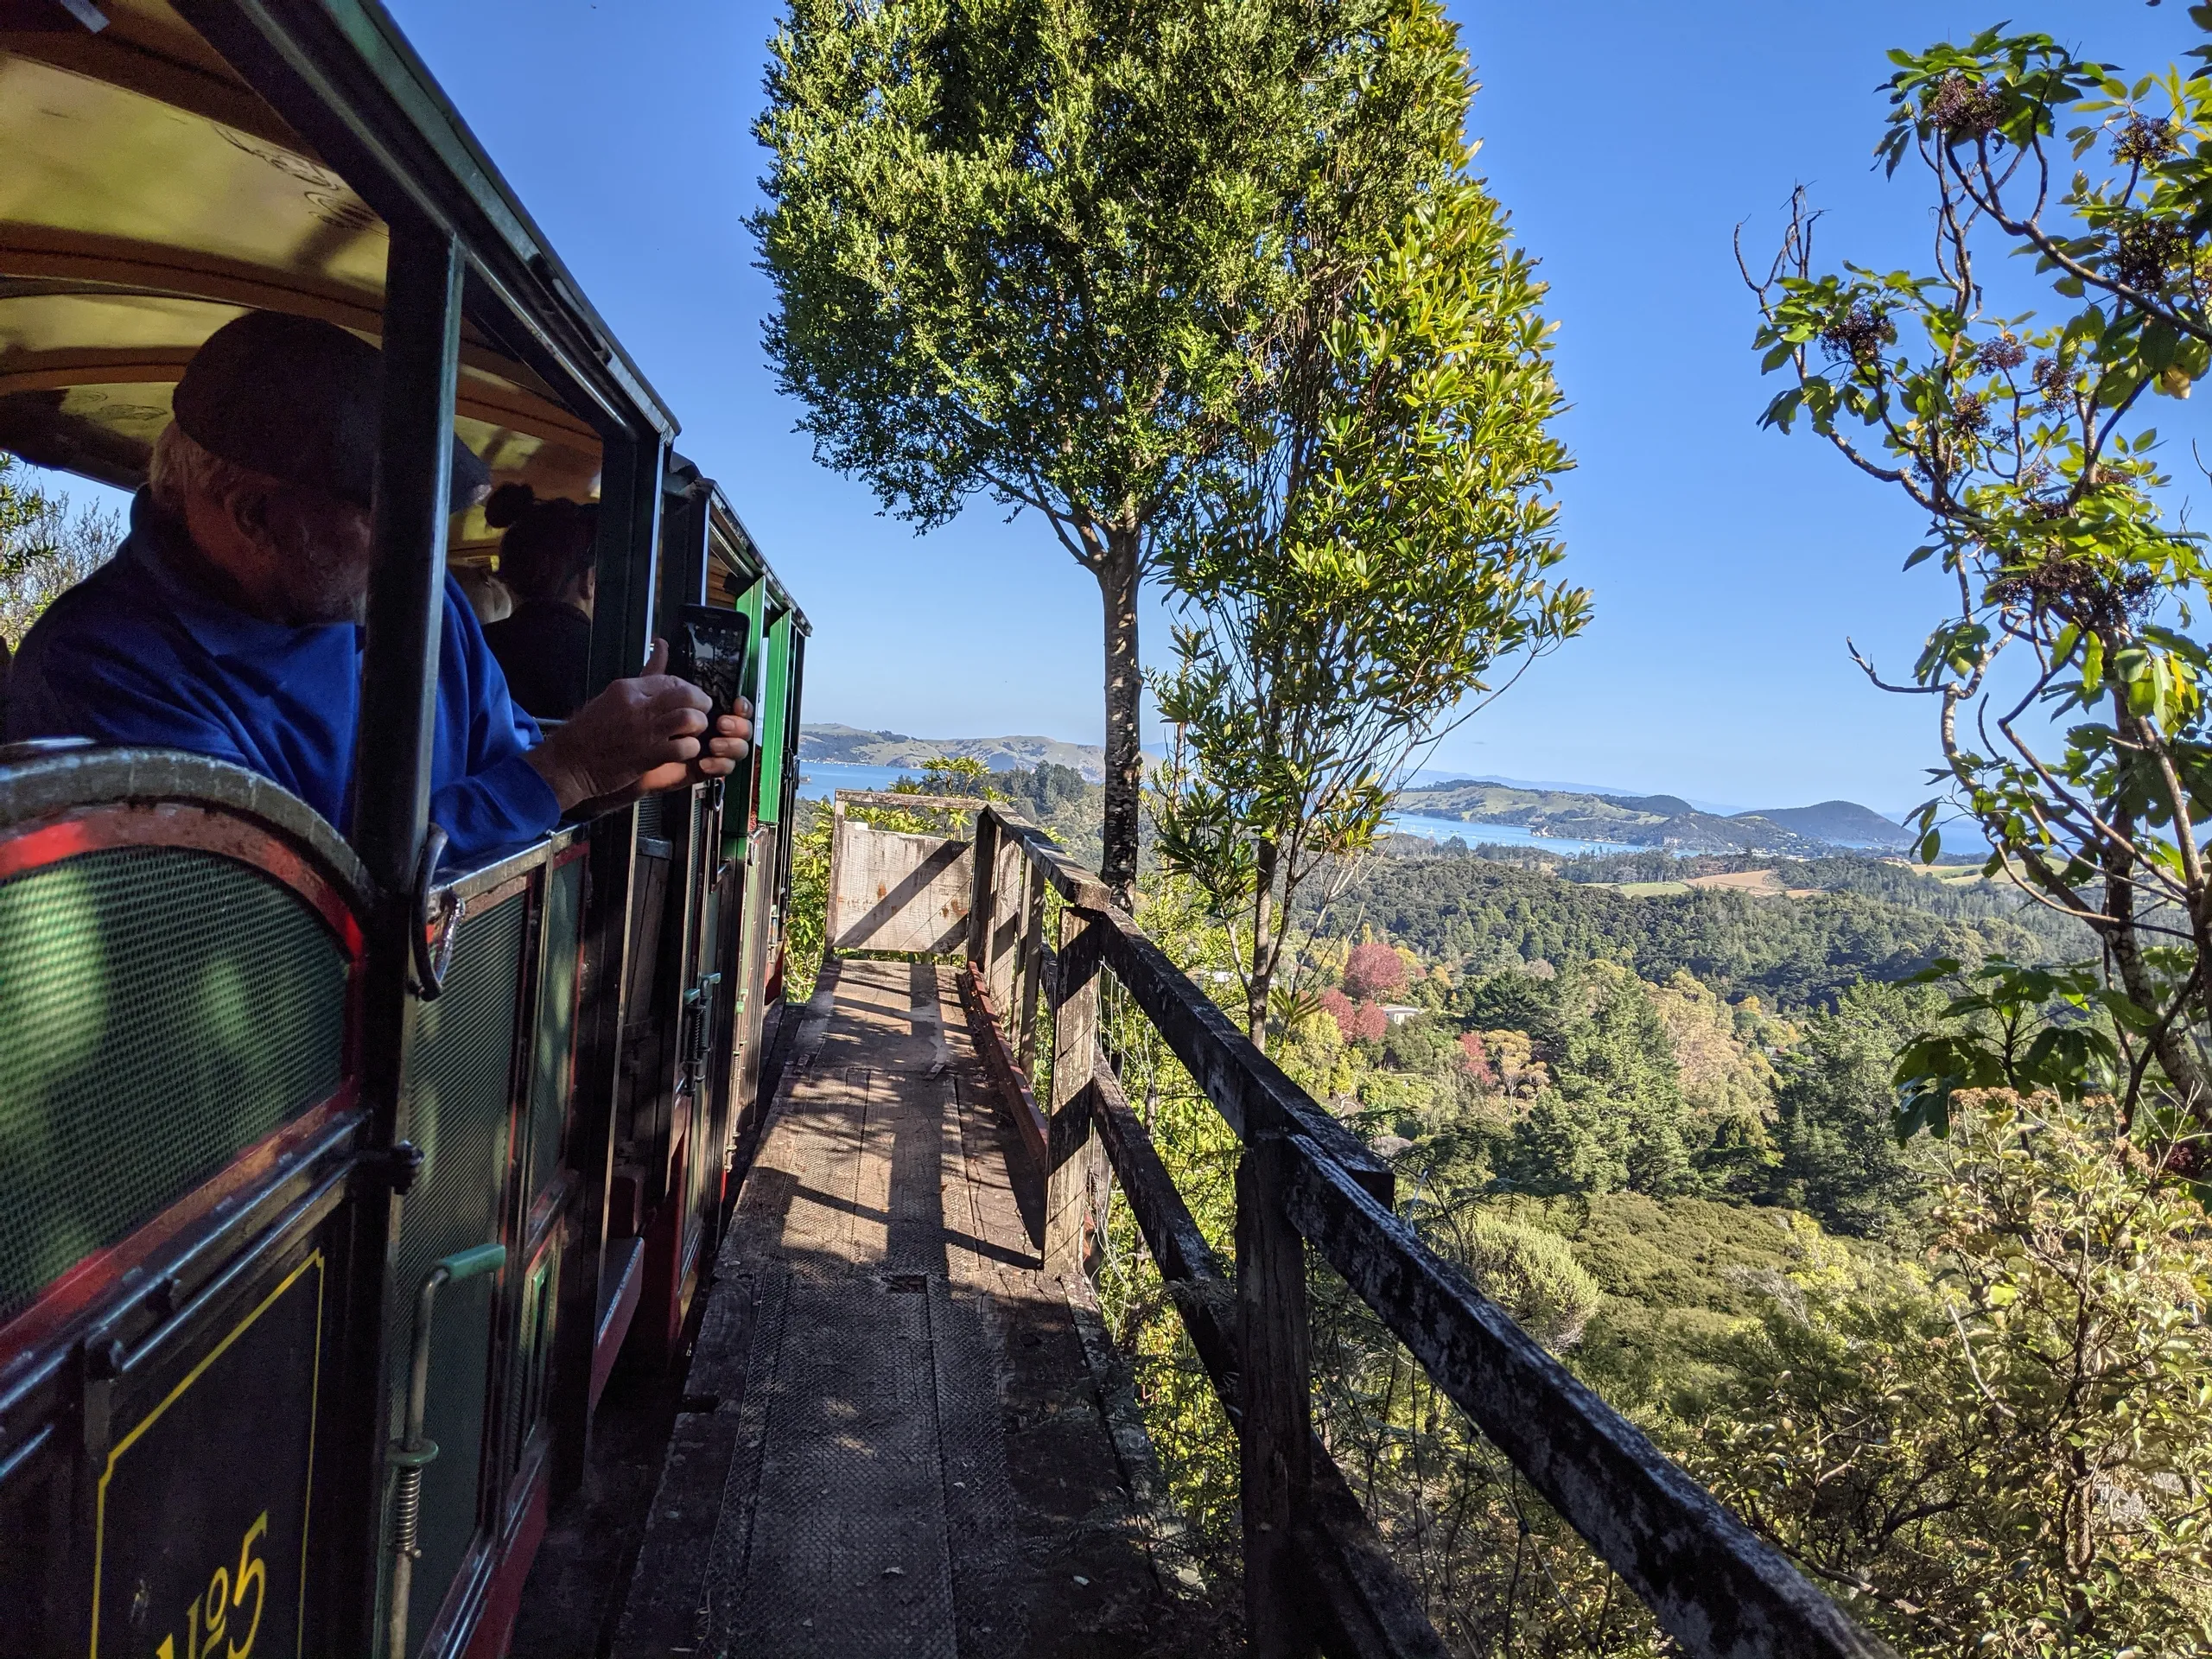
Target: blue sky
1627	139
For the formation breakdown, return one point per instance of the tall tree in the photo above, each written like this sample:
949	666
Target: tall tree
2026	441
1023	248
1839	1162
1367	565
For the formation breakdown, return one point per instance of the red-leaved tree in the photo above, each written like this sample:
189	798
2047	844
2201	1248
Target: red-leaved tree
1372	971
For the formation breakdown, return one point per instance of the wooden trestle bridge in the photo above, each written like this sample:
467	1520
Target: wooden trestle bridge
902	1431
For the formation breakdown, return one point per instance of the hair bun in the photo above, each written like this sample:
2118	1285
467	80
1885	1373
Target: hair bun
508	504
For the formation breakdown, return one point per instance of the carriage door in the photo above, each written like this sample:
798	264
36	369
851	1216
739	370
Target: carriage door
671	1141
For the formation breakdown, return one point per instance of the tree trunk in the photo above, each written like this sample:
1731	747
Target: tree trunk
1264	943
1117	588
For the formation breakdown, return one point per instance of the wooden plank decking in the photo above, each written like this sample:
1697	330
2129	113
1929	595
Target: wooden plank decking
892	1442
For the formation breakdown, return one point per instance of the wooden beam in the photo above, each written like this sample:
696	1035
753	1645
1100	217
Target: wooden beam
1247	1088
1068	878
1012	1082
908	803
986	852
1200	1289
1365	1607
1076	1167
1717	1589
1029	972
1276	1443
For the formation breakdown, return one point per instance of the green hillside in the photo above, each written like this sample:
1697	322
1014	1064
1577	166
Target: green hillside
1656	820
852	745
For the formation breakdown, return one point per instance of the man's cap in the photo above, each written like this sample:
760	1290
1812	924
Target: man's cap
299	399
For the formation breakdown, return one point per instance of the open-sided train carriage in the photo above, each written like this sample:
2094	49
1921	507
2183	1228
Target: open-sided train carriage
329	1187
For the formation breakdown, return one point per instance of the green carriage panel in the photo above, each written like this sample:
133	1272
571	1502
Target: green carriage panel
458	1116
161	1009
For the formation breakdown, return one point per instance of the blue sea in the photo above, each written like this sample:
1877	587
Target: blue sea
1495	835
818	778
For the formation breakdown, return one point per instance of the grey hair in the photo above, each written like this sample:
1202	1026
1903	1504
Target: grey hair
181	469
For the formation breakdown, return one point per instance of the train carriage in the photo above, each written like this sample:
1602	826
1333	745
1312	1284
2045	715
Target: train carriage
331	1179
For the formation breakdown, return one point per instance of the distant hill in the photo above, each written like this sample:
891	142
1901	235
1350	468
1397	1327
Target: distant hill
1666	821
1665	806
1657	820
851	746
1840	824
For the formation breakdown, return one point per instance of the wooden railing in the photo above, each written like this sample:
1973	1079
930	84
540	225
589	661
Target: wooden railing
1317	1573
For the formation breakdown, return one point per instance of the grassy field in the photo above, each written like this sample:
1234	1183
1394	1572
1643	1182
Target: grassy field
1767	883
1741	881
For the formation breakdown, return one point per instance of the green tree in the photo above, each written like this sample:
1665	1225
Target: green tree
1620	1059
2004	1452
1840	1160
1027	250
2026	441
1564	1145
22	512
1365	572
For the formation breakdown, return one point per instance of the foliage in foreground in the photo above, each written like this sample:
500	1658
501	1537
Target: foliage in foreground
2068	696
1988	1426
2004	1448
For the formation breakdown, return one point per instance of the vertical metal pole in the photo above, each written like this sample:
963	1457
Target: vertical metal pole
1276	1439
629	566
795	677
422	357
1074	1184
629	553
391	775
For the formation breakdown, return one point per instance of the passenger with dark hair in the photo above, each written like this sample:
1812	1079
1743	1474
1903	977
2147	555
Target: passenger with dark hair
546	559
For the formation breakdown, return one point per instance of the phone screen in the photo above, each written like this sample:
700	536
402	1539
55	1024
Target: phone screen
714	652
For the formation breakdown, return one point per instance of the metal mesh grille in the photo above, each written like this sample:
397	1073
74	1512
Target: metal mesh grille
457	1114
161	1010
553	1057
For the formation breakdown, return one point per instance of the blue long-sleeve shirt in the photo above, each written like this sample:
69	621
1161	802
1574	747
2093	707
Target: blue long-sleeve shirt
135	654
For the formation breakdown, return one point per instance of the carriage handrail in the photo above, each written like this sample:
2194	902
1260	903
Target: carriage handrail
1304	1179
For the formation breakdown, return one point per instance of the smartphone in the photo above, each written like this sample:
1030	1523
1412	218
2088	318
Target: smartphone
713	648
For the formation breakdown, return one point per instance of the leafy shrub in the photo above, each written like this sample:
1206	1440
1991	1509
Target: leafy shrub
1532	1274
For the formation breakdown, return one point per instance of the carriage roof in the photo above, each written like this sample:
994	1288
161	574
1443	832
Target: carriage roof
179	164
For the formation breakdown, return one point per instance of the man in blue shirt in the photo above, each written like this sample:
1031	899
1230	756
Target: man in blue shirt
229	622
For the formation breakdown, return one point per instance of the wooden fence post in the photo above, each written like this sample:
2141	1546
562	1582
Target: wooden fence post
1075	1186
1276	1448
985	852
837	869
1010	867
1032	971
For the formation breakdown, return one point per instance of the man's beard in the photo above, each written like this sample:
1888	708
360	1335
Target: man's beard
326	585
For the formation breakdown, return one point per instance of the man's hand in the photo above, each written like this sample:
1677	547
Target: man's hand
641	735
